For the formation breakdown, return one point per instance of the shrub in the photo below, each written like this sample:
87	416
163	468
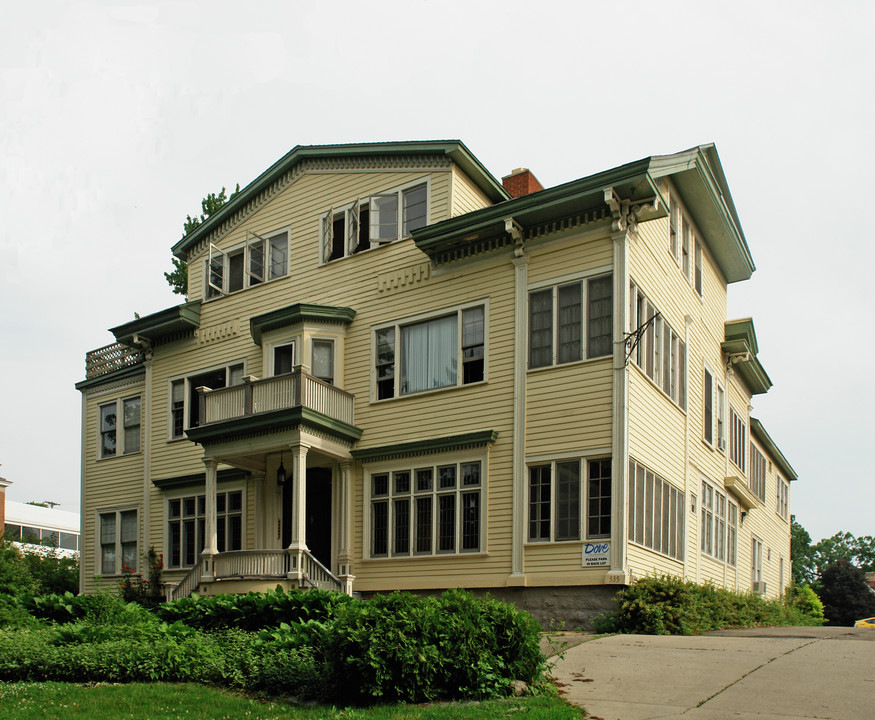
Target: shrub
400	647
664	604
805	600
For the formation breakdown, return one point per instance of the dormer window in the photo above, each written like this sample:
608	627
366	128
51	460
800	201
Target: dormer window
373	221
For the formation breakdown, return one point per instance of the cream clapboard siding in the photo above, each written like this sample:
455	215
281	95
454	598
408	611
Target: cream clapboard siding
466	196
644	562
367	282
110	483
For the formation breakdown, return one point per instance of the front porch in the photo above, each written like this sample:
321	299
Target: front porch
290	435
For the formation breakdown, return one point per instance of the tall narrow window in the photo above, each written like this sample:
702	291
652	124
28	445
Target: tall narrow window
385	363
108	421
541	328
414	205
685	248
698	266
598	520
568	500
473	344
279	255
177	408
539	502
569	321
737	439
384	218
673	227
132	425
708	409
323	360
428	354
721	413
283	358
236	266
600	319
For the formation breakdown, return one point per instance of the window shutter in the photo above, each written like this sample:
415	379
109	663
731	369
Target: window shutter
352	228
216	269
327	234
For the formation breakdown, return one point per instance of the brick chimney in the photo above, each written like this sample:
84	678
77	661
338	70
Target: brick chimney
521	182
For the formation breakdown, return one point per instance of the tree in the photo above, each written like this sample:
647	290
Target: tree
860	551
178	277
844	593
801	554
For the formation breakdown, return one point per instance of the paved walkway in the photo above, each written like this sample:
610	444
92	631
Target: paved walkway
784	673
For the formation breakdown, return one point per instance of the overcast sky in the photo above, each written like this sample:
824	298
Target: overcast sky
116	119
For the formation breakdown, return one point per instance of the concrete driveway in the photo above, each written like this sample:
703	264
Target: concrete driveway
759	673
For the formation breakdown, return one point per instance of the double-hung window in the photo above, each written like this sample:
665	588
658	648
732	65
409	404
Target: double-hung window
757	473
427	510
373	221
737	439
660	352
782	506
113	442
117	538
186	526
260	259
570	322
708	409
185	400
322	365
713	529
556	500
428	354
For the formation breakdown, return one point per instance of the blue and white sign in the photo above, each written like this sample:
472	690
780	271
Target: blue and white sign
596	554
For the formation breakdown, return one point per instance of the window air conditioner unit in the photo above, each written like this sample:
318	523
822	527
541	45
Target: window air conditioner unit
721	444
759	588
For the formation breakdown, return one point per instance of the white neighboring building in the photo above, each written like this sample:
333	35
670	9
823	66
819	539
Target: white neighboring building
29	524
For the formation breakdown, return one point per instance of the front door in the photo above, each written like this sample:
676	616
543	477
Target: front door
318	528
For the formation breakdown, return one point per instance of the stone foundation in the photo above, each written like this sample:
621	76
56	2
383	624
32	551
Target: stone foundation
555	608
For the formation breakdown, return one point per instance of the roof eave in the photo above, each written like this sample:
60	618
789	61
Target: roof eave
759	432
454	149
156	326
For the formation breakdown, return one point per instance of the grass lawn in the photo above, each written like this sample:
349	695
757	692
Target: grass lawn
160	701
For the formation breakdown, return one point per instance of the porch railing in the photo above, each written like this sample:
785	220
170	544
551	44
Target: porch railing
189	583
317	575
110	357
260	564
276	393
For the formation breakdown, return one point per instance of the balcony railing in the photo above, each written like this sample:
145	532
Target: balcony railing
111	357
295	389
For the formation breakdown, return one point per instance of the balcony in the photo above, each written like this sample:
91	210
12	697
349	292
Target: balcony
262	405
111	358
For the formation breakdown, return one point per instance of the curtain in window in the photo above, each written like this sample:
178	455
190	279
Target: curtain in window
429	354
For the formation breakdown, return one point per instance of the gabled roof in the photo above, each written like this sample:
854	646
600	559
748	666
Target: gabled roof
454	149
697	173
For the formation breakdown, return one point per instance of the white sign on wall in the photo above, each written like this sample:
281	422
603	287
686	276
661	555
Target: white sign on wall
596	554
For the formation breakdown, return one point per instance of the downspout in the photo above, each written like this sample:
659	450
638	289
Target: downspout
688	322
619	573
146	347
521	266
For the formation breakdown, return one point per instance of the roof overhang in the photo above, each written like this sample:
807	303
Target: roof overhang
298	313
698	175
455	150
741	348
160	325
576	198
759	432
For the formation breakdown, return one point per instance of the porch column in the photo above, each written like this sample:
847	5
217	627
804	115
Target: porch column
298	544
211	548
260	519
344	556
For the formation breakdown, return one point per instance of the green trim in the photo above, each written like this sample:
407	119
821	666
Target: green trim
740	340
161	324
698	175
195	479
454	149
110	377
572	198
426	447
273	421
298	313
759	432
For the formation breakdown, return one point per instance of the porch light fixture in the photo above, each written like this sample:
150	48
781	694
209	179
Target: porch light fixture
281	473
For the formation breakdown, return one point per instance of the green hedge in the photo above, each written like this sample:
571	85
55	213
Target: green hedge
668	605
315	645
